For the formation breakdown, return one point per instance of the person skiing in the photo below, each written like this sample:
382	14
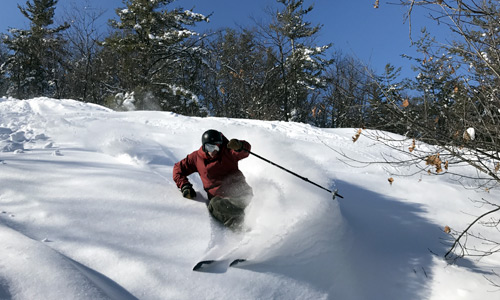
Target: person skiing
216	162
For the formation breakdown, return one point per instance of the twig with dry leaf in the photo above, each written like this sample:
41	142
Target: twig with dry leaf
357	135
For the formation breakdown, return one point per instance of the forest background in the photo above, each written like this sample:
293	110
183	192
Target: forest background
330	89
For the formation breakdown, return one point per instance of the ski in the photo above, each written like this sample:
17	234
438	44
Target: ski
224	251
237	261
201	264
217	266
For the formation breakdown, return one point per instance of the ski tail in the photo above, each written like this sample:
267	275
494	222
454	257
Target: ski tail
237	261
217	265
201	264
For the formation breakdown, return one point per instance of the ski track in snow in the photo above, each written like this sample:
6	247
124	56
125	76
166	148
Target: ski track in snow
89	211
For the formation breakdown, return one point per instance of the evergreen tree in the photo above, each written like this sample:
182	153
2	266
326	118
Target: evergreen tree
389	105
437	95
3	78
35	66
154	54
300	63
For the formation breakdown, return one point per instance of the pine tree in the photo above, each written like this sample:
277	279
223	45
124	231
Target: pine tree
300	63
35	66
389	104
155	53
3	78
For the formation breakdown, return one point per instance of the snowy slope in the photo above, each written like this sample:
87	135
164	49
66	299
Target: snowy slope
88	210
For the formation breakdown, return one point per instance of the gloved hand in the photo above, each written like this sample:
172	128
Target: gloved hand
235	145
188	191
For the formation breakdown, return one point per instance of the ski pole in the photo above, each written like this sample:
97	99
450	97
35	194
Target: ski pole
334	192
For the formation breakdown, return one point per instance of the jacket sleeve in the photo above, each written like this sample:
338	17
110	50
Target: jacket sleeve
183	169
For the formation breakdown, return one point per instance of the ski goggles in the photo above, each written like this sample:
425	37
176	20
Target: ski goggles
211	147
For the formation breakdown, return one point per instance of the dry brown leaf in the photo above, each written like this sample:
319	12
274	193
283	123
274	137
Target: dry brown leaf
497	167
391	180
406	103
466	136
412	146
447	229
435	161
356	136
446	165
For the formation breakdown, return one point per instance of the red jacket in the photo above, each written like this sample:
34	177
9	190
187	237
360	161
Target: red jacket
220	175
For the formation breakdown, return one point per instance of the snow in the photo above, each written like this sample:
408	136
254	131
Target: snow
88	210
471	133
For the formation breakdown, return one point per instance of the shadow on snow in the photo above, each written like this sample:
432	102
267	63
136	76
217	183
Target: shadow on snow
384	248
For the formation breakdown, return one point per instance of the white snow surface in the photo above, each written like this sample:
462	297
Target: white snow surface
89	210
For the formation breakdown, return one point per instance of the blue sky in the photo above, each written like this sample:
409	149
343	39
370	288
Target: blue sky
374	36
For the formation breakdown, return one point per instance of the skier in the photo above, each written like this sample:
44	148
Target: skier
217	165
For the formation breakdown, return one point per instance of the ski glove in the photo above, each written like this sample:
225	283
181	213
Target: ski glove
235	145
188	191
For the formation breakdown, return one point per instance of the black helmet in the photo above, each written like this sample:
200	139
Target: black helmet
211	136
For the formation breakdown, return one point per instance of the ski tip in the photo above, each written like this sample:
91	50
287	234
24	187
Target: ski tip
200	264
236	261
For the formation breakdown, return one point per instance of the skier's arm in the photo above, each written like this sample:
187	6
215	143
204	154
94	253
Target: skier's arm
183	169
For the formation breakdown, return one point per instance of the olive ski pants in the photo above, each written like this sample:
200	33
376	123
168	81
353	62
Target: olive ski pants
227	211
